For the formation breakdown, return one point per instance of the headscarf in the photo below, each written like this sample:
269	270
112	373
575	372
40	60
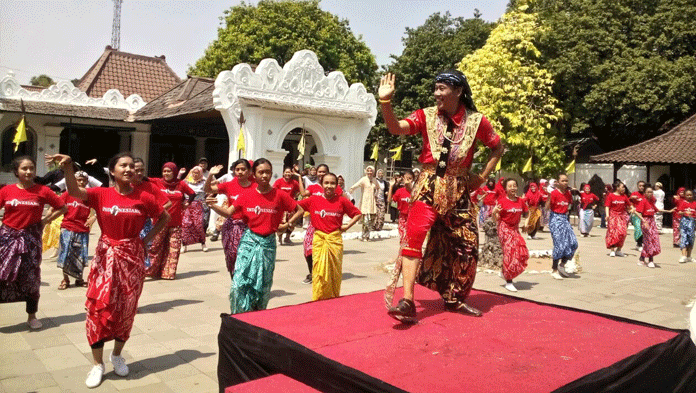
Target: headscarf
171	183
533	197
587	188
680	190
456	78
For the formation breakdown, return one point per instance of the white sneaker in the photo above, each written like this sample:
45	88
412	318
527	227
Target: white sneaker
94	377
120	367
640	248
651	264
683	259
620	254
529	237
612	254
204	248
641	263
183	250
510	287
556	275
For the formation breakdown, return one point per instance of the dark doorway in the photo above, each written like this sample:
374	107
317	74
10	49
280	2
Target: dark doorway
217	151
84	143
164	148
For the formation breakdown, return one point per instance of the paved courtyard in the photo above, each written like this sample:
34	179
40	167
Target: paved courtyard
173	345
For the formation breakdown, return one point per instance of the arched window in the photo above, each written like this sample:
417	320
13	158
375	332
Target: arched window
27	148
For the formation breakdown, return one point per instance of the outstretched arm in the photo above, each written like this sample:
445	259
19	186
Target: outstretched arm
386	92
210	186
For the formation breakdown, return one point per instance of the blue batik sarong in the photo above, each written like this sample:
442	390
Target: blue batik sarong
146	229
586	220
686	232
253	273
73	252
564	241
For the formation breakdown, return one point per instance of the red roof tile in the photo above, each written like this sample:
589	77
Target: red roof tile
146	76
676	146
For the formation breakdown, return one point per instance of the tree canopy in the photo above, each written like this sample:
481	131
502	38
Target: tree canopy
513	91
42	80
278	29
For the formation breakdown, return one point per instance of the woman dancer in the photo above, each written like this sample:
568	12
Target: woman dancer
368	204
636	198
534	201
289	185
142	183
488	193
194	221
687	211
546	187
326	214
508	212
234	226
588	202
564	241
342	185
263	209
380	198
402	197
676	218
74	236
647	211
118	270
394	184
659	196
165	248
20	236
618	207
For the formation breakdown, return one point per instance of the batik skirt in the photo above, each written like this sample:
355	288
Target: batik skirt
686	232
231	233
533	220
164	253
51	235
515	253
564	241
676	232
72	257
398	264
586	220
253	273
192	224
20	263
651	238
616	229
637	232
379	219
327	269
308	240
115	285
486	211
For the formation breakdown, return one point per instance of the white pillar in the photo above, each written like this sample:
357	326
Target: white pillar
276	158
141	145
332	161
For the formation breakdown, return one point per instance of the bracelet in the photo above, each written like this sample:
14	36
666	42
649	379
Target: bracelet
384	101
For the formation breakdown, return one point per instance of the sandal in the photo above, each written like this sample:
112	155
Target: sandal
81	283
65	284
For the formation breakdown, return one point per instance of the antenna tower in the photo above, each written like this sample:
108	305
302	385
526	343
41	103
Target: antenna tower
116	27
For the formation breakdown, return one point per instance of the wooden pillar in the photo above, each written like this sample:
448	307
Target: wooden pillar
617	166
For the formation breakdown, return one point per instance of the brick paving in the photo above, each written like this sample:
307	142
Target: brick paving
173	346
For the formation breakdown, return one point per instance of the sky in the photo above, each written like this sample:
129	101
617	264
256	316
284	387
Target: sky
62	39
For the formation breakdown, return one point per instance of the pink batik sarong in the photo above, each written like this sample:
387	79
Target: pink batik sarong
515	253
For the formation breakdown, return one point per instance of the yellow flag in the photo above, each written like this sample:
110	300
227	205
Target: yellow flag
301	146
21	135
375	152
397	152
527	166
241	145
497	166
570	168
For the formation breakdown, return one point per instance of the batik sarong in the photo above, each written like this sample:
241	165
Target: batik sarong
308	240
651	238
586	220
379	215
253	273
327	270
637	232
533	220
231	233
20	263
146	229
368	223
686	229
72	257
398	264
676	232
164	253
515	253
51	235
115	285
564	241
616	229
545	216
192	229
485	212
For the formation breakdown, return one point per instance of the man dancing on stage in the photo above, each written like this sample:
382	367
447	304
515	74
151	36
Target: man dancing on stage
441	202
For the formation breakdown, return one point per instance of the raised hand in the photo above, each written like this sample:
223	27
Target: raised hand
61	159
182	171
211	200
91	162
386	87
215	170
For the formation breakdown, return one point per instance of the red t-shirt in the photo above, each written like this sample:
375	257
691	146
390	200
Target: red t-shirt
327	214
232	189
316	189
25	207
291	187
511	211
122	216
646	208
560	202
176	197
263	213
490	195
153	189
77	214
587	199
687	209
485	134
636	198
402	196
616	203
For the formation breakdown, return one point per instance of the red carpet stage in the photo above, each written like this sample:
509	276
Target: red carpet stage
349	344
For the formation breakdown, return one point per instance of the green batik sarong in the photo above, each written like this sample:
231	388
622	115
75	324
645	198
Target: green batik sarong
637	231
253	273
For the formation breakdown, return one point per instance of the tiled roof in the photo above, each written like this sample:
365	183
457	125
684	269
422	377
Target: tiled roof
676	146
51	108
149	77
194	95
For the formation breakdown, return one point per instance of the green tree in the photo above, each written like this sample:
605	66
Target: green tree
42	80
439	44
278	29
513	91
